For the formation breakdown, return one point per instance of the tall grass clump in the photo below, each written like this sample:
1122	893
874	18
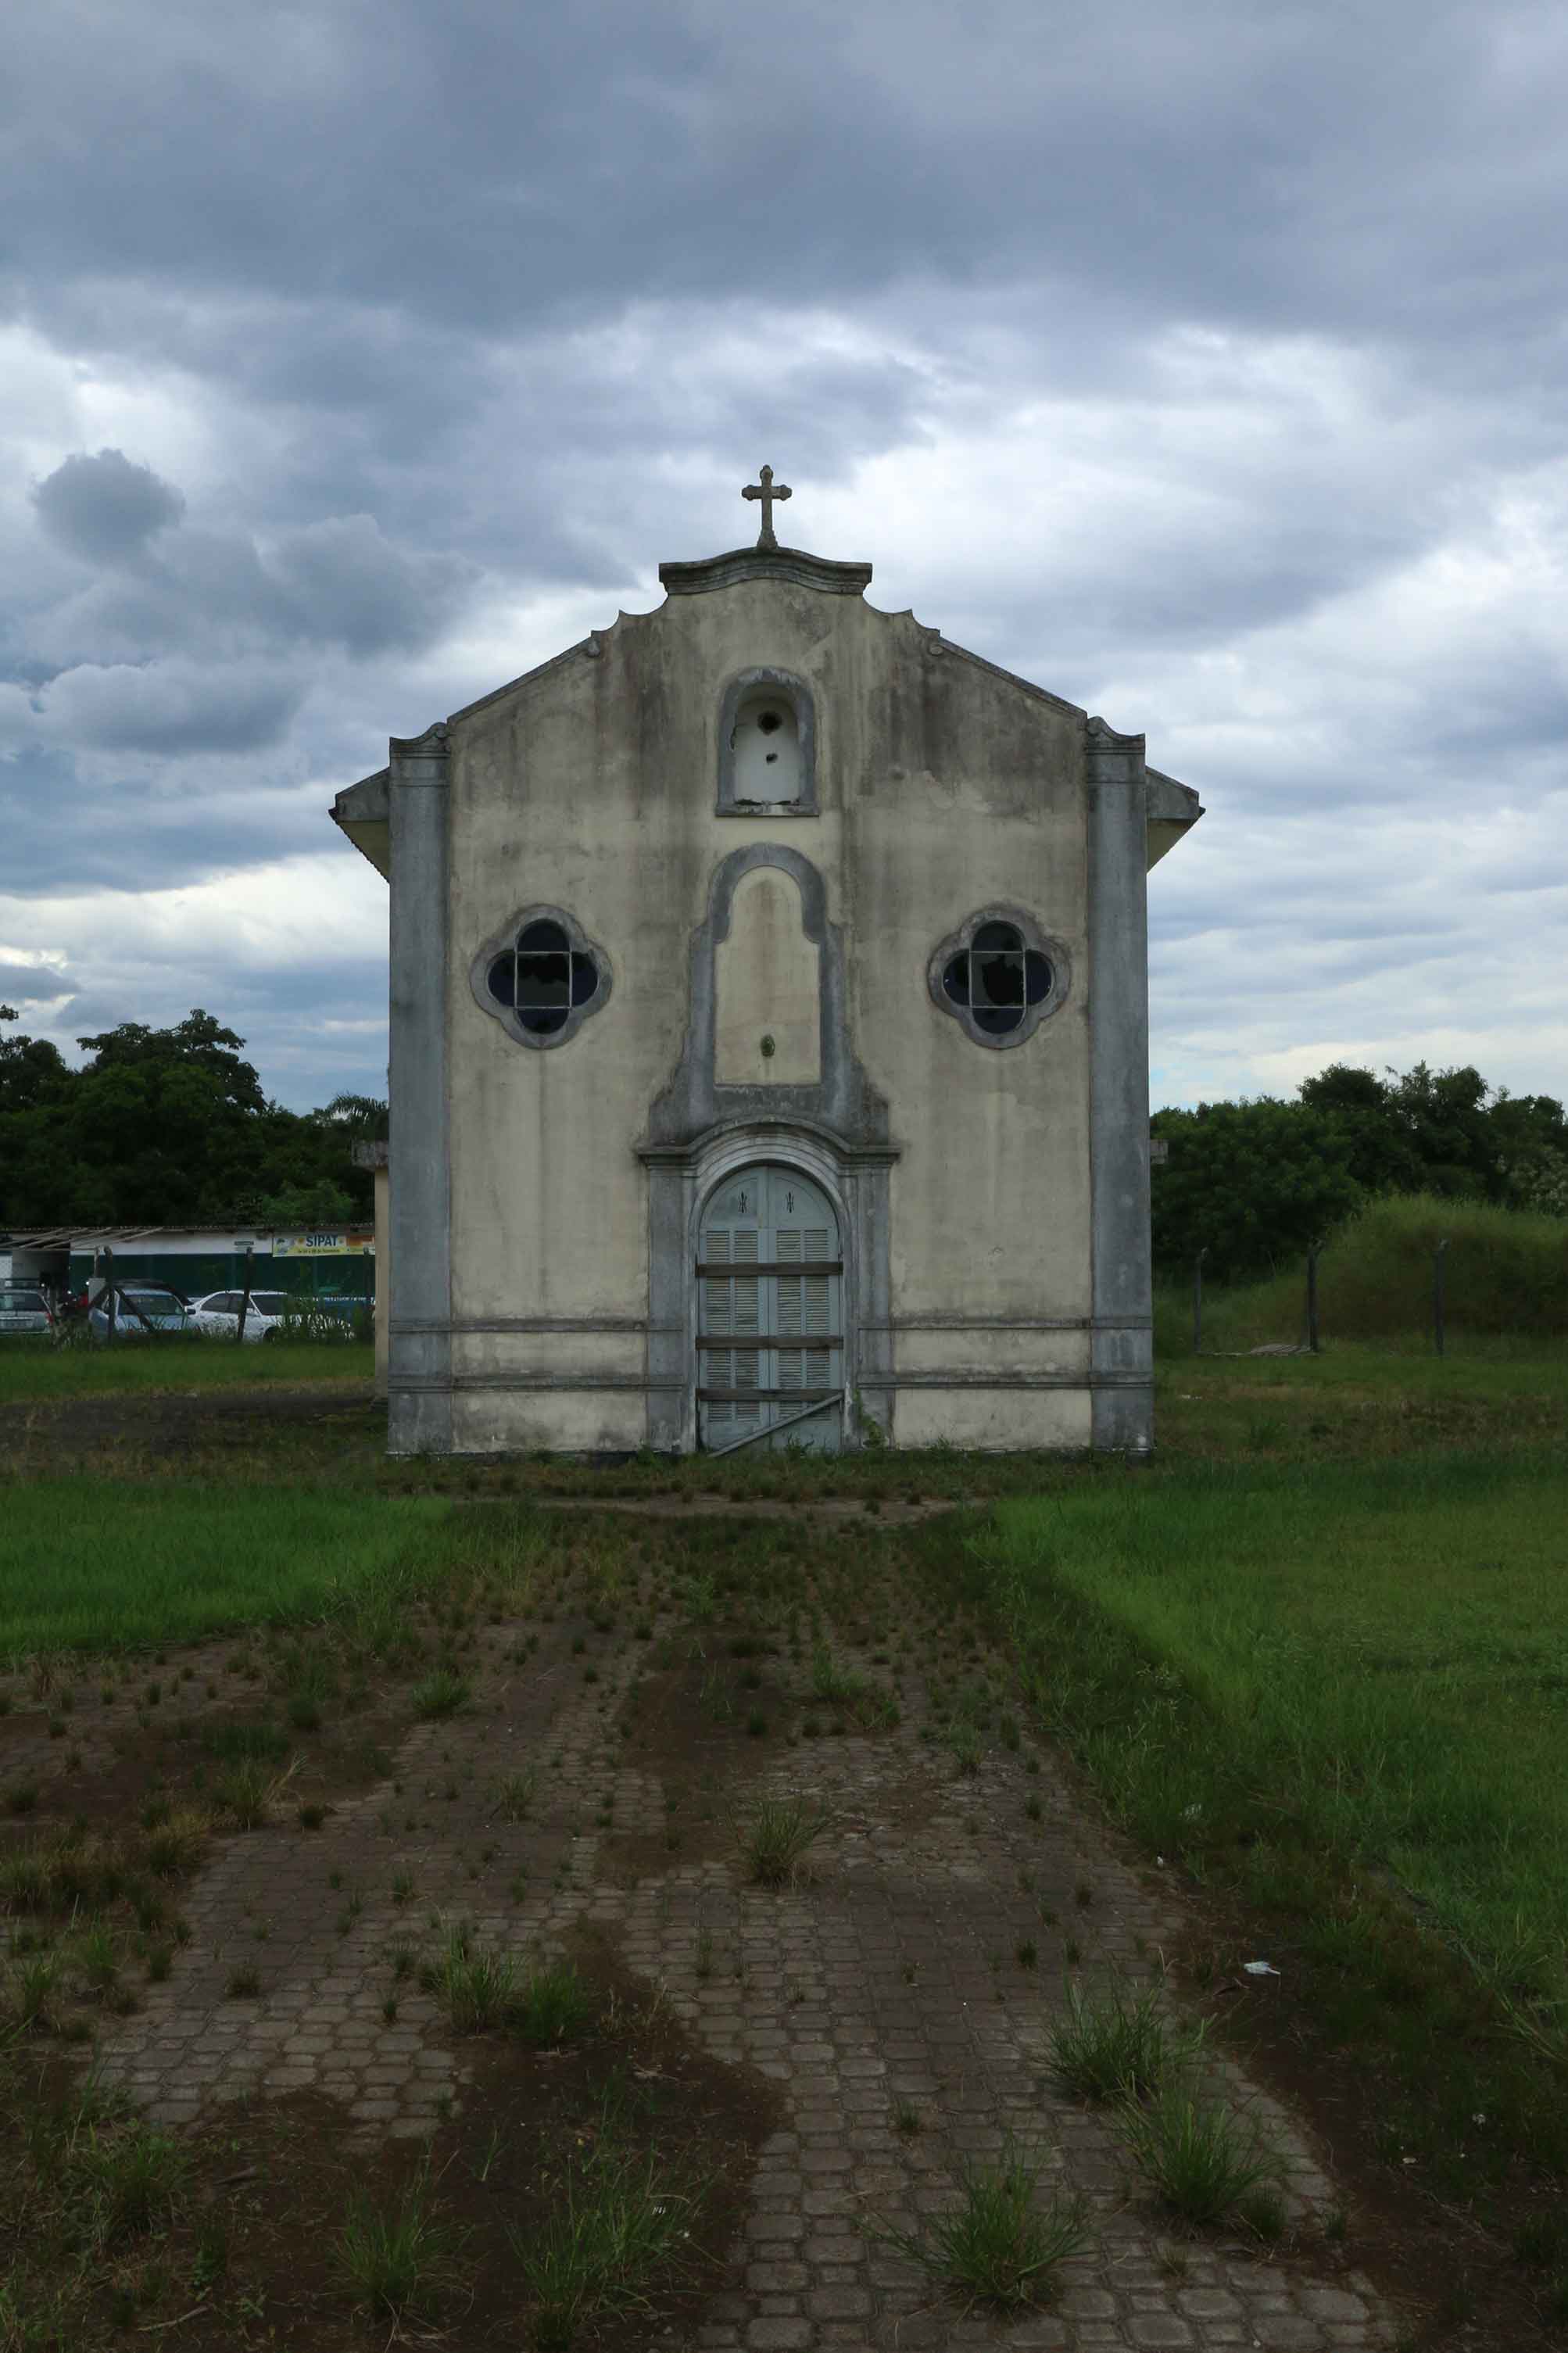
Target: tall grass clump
1004	2242
1118	2044
1202	2160
615	2221
399	2257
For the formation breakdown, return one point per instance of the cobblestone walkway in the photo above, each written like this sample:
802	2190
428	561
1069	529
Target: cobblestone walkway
917	1968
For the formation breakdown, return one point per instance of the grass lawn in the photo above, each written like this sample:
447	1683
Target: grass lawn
102	1564
33	1371
1383	1646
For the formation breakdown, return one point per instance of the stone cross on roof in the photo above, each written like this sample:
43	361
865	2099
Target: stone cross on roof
767	491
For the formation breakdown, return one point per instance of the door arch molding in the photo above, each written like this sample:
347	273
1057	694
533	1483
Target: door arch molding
683	1179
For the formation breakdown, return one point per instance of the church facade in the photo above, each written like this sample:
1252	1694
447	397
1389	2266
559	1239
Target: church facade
769	1040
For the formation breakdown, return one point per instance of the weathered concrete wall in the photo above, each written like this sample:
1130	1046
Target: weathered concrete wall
943	787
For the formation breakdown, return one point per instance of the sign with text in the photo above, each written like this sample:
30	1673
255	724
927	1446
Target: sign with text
359	1241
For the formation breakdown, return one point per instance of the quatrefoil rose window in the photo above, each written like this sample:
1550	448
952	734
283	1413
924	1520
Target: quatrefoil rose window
541	977
998	976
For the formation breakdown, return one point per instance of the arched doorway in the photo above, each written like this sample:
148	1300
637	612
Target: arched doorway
770	1336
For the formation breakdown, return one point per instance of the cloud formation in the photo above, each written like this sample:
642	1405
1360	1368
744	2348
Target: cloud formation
104	508
1206	366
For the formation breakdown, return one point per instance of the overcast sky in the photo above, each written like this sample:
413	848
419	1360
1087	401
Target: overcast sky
1205	363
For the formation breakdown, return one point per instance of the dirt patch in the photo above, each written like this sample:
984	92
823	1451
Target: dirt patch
178	1430
252	2257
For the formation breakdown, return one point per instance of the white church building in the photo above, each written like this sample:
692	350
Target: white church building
769	1054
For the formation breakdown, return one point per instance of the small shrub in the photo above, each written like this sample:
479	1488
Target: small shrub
475	1986
515	1795
174	1845
551	2005
132	2176
243	1983
1118	2045
399	2257
32	1992
100	1959
778	1837
245	1742
245	1792
1202	2160
1005	2244
441	1694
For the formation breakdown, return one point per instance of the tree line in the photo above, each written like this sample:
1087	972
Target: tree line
172	1127
169	1127
1256	1183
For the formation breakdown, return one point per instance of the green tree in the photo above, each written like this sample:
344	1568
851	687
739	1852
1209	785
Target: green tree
1254	1184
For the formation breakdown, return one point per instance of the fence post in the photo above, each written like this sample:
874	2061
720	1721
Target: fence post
244	1294
1313	1298
1198	1299
108	1289
1437	1294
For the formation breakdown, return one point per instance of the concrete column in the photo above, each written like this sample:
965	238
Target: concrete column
382	1275
1121	1333
419	1241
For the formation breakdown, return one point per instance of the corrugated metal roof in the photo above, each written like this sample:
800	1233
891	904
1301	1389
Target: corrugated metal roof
62	1237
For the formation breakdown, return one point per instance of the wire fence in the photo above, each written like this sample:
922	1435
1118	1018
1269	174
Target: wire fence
1431	1309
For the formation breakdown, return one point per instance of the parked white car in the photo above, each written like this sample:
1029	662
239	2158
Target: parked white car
219	1313
24	1308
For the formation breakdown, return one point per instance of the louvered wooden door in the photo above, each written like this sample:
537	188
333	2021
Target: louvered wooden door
769	1293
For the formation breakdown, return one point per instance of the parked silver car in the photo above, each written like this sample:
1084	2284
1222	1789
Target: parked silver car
141	1310
24	1308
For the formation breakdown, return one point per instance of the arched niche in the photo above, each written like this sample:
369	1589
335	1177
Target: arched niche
767	746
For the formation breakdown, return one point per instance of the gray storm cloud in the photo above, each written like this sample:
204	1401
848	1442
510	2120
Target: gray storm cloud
106	508
1205	364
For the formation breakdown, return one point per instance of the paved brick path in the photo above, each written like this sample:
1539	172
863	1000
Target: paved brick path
892	1976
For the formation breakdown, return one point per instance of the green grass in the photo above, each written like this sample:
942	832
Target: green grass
100	1564
1385	1648
1505	1283
39	1371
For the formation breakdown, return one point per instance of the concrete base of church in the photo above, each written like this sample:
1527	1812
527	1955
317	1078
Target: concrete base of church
979	1418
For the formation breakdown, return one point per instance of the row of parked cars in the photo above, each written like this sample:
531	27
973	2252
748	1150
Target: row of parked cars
146	1309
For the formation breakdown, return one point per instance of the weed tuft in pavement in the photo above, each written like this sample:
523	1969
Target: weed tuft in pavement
1005	2243
475	1986
1200	2158
1118	2045
515	1795
778	1837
